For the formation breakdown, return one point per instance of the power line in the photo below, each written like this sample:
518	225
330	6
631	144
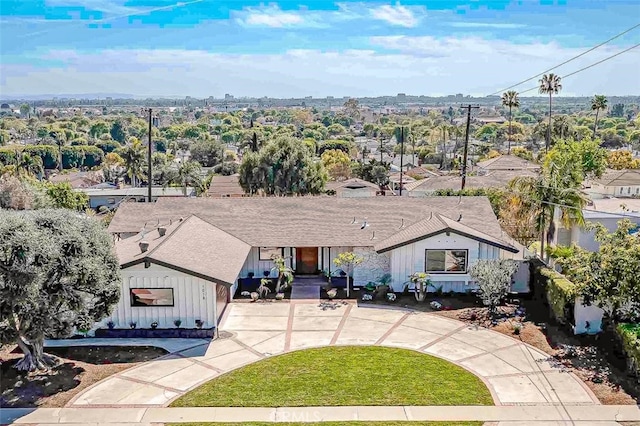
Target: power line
567	61
589	66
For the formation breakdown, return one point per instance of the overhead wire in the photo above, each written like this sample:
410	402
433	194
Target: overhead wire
567	61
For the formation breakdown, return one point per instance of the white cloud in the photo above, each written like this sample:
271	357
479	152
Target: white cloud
398	15
414	65
273	17
496	25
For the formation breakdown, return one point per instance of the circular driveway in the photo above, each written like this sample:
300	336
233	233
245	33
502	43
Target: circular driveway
515	373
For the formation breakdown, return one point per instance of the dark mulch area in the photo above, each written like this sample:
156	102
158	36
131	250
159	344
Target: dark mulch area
341	293
79	368
596	360
448	301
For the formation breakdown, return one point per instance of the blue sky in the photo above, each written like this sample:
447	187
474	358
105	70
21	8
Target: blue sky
314	48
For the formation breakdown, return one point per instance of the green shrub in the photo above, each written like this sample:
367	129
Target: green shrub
8	154
561	293
630	335
48	153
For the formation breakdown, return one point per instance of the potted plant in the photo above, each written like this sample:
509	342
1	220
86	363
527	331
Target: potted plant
133	325
279	296
154	325
251	275
199	323
177	323
516	328
111	325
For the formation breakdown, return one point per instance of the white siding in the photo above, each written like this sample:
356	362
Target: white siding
257	266
409	259
325	261
194	298
373	266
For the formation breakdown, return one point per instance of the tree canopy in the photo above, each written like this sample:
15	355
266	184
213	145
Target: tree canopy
58	271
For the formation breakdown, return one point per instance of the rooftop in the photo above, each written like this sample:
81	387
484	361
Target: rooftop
508	162
619	178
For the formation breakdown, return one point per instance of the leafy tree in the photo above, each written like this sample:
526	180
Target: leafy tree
49	154
25	109
622	159
599	102
285	274
617	110
549	85
134	160
118	132
610	277
336	129
494	279
58	271
348	260
98	129
521	152
334	144
209	153
189	175
510	100
108	146
337	163
374	172
227	168
63	196
352	108
282	167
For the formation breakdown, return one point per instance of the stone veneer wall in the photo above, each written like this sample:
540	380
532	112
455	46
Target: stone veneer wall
372	267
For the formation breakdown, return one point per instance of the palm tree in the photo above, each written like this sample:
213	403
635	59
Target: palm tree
31	165
134	160
554	189
599	102
510	100
550	85
189	174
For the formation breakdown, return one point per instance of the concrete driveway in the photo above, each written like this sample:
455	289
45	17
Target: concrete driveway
516	374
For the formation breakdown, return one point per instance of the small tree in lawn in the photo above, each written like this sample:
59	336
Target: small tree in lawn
58	271
421	283
494	278
285	274
347	260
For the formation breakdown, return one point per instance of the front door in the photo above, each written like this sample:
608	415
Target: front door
306	260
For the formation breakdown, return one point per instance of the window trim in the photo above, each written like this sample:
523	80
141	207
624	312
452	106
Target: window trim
263	259
426	253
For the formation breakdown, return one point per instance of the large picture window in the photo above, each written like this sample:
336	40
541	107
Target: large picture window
446	261
151	297
267	252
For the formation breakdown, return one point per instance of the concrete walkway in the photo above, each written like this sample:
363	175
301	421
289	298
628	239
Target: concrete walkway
515	373
575	415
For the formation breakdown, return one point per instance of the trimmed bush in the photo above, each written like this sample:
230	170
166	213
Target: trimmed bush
630	336
561	294
48	153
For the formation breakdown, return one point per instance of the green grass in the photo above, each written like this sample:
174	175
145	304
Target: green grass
353	423
339	376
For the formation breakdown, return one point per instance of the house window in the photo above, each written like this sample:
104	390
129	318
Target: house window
151	297
446	261
267	252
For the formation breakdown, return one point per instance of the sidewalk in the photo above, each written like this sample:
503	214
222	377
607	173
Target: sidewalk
601	415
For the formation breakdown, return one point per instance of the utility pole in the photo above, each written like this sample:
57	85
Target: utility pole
149	173
380	147
401	155
466	144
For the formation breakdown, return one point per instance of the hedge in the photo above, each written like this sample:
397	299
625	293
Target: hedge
561	293
72	156
630	336
48	153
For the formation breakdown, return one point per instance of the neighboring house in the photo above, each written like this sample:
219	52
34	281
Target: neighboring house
506	162
615	183
353	187
394	182
79	179
226	186
224	239
608	212
493	179
423	172
110	198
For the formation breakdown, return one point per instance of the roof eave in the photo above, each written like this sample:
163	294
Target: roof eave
175	268
473	237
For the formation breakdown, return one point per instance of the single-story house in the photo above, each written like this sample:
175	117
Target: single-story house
615	183
506	162
226	186
353	187
110	198
605	211
190	253
79	179
493	179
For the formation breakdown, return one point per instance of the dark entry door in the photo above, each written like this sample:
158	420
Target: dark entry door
306	260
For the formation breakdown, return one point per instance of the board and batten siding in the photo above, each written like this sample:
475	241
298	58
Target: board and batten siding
325	260
257	266
194	298
410	258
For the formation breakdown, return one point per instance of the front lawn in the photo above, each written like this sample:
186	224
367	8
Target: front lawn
339	376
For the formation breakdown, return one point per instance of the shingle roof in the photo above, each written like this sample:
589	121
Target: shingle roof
225	185
507	162
619	178
494	179
309	221
190	245
437	224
